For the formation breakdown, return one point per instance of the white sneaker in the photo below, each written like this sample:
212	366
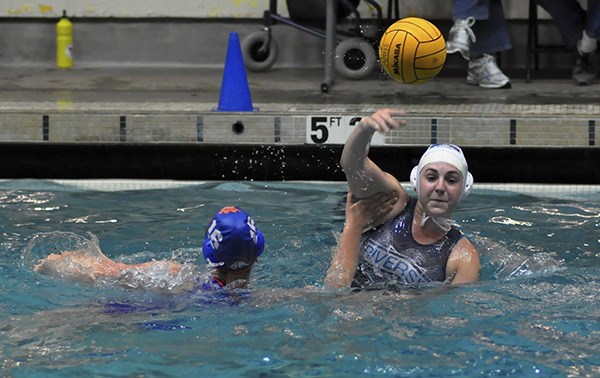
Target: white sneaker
485	73
460	37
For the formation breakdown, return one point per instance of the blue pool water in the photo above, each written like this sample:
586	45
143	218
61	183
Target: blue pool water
534	313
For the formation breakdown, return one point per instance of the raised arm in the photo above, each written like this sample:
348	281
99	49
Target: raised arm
364	177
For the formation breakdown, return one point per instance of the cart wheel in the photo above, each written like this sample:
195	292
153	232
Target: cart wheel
355	58
259	54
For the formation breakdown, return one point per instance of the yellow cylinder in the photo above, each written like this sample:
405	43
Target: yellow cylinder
64	42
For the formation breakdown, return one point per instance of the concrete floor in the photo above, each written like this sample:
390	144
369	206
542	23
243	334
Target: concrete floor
279	85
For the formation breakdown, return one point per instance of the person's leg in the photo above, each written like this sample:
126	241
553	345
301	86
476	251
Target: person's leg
571	20
491	33
584	69
592	25
461	36
568	16
486	18
491	37
478	9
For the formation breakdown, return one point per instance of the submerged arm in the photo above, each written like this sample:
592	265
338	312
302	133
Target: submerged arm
84	267
463	264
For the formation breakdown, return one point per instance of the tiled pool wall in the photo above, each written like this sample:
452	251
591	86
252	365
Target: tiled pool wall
553	144
486	125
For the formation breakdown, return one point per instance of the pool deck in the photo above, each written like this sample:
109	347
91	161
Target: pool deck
548	112
176	105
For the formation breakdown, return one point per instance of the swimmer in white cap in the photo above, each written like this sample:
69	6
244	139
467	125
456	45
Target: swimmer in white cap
388	236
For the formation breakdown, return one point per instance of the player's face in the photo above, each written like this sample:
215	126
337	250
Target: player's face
440	186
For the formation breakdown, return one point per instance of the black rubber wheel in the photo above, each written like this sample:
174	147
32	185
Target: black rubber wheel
258	55
355	58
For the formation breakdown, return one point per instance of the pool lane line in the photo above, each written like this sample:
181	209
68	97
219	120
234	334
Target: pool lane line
45	127
200	129
434	130
277	129
123	129
513	132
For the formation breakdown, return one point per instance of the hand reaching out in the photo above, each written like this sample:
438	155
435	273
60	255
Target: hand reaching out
383	120
84	266
365	212
369	211
77	265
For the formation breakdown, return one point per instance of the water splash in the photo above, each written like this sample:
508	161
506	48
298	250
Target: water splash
83	257
43	244
502	261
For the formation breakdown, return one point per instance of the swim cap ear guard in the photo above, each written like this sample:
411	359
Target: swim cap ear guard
448	153
232	241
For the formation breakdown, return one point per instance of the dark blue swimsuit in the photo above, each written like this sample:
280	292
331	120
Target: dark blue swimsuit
390	254
205	293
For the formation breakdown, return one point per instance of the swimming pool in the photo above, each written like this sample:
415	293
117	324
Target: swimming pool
534	313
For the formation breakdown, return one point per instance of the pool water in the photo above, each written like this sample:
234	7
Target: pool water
534	313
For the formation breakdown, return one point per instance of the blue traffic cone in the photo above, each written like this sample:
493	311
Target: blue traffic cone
235	92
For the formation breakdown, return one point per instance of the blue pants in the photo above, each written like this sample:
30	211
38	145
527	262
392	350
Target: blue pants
490	27
571	19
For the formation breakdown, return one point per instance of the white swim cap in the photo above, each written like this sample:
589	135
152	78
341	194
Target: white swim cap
447	153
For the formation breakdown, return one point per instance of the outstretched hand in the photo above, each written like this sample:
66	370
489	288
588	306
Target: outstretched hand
77	265
384	120
369	211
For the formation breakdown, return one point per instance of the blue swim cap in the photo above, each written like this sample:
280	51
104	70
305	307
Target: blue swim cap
232	241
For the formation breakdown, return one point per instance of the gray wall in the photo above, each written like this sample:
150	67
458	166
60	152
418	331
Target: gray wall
197	43
240	9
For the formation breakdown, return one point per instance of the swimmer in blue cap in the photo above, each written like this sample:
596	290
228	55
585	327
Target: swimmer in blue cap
389	236
232	245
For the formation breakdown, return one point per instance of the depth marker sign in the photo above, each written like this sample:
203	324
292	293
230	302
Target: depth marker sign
335	130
